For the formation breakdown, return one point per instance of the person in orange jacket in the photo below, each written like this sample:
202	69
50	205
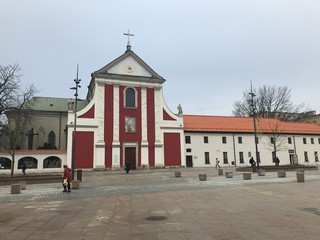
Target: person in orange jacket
66	179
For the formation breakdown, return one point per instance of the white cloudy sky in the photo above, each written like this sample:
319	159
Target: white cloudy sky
207	50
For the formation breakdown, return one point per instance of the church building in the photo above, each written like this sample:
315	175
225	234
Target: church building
126	119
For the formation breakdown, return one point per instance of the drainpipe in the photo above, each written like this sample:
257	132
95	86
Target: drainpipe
234	151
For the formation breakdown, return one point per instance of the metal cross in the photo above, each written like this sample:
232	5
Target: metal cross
128	34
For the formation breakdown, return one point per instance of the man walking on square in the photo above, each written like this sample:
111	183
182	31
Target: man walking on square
217	163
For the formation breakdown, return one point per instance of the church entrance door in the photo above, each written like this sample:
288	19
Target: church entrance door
130	155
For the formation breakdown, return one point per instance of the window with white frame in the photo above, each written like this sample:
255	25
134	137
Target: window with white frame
206	158
224	140
241	158
225	157
306	157
130	98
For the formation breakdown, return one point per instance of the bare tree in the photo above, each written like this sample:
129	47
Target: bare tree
276	140
269	102
15	112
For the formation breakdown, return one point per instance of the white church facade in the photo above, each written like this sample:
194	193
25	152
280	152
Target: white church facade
126	120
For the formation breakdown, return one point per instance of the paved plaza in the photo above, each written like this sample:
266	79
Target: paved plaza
153	204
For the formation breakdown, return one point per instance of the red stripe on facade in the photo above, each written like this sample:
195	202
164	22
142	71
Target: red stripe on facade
108	124
84	150
125	112
151	125
172	153
166	116
88	114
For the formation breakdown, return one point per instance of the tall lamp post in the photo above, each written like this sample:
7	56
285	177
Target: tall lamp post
254	126
77	82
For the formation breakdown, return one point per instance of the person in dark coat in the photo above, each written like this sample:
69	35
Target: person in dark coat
253	164
24	167
67	178
127	167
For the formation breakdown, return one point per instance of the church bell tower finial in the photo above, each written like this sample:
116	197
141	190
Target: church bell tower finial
128	44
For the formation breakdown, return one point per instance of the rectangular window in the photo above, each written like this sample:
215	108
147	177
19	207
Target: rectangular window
273	156
312	140
188	149
225	157
206	158
241	159
272	140
316	159
319	140
289	140
205	139
249	155
257	140
304	141
188	139
306	157
224	139
240	140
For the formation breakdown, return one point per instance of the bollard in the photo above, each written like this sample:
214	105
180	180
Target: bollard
15	188
177	174
203	177
23	184
75	184
220	171
247	176
300	175
229	174
261	172
79	175
281	174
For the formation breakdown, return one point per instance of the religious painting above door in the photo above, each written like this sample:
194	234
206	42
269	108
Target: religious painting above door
130	124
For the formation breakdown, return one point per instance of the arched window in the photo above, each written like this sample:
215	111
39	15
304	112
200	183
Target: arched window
52	140
5	163
52	162
30	162
130	95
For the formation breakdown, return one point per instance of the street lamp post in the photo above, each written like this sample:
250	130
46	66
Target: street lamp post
77	82
254	127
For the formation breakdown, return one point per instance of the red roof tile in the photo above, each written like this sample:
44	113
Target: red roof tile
198	123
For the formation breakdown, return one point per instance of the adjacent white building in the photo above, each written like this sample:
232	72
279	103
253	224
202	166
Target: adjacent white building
231	140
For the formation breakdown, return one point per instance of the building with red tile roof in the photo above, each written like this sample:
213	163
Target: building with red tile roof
231	139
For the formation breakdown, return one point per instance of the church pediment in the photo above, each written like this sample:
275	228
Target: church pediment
128	64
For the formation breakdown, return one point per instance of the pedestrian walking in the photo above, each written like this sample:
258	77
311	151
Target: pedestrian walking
24	167
253	164
217	163
66	179
127	167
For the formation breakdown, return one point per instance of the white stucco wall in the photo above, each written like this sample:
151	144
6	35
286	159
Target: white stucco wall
215	147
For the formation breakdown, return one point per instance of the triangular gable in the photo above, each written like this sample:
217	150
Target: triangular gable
128	64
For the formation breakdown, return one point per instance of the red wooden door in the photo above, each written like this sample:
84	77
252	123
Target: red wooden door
130	155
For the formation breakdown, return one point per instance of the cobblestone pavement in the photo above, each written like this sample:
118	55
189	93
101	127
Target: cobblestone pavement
153	204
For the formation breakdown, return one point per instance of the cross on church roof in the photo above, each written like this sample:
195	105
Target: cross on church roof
128	34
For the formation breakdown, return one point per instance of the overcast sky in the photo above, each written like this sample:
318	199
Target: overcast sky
207	50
